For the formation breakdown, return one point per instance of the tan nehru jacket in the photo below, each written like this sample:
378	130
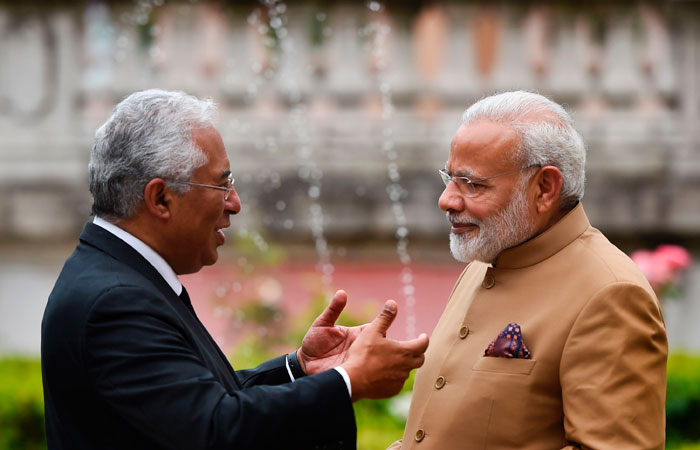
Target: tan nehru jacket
597	374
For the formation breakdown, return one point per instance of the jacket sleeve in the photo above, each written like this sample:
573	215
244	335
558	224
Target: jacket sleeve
145	370
613	371
272	372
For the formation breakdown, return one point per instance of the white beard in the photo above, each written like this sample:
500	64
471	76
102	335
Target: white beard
503	230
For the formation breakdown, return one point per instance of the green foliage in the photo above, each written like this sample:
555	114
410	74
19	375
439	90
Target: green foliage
378	424
21	405
683	400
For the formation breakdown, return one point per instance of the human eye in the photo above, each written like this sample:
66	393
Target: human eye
475	189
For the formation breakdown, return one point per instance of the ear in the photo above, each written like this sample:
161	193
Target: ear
548	189
158	198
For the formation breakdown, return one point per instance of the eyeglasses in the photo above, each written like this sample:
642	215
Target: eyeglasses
228	188
470	187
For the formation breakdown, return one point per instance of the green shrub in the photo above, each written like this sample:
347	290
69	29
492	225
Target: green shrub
21	405
683	400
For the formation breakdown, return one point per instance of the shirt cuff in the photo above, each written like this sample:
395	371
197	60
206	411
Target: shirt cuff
346	378
340	370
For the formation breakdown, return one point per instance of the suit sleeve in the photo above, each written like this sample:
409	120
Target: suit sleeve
613	372
272	372
144	369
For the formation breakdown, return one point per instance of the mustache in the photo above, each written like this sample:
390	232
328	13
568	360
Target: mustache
462	220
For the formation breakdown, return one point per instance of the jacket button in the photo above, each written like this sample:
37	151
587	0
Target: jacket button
420	434
440	382
489	281
463	332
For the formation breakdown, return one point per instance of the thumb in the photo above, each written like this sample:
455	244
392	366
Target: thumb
386	316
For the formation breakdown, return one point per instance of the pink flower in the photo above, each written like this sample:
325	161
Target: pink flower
656	273
673	255
662	266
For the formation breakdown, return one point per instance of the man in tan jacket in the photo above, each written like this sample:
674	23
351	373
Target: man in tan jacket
551	337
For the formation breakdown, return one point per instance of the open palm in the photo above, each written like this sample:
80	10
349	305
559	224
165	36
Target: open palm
325	344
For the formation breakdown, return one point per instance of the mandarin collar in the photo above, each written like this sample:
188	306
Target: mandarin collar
544	245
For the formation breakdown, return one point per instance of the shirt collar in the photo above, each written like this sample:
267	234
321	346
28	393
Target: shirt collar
544	245
144	250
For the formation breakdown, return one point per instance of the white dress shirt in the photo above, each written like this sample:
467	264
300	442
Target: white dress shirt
170	276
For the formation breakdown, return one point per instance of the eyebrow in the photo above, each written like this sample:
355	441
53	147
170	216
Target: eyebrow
224	174
466	172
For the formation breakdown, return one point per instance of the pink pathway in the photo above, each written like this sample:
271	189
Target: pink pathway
219	290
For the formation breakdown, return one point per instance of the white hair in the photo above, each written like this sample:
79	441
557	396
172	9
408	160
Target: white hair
547	135
148	135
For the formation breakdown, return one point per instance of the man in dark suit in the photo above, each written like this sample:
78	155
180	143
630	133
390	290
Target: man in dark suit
127	364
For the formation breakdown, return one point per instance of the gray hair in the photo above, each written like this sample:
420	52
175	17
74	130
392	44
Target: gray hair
148	135
547	135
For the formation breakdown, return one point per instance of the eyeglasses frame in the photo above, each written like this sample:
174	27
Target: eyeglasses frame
228	190
446	177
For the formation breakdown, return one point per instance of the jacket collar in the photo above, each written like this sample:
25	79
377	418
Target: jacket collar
103	240
544	245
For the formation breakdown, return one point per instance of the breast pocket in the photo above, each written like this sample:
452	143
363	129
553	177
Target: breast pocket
516	366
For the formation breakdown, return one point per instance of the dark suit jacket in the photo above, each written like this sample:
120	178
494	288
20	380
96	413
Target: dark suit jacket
126	365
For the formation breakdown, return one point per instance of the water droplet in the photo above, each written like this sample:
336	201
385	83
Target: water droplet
221	291
321	16
254	18
288	224
314	192
374	6
280	205
281	8
275	22
402	232
409	290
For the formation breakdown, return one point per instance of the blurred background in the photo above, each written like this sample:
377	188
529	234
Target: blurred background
336	116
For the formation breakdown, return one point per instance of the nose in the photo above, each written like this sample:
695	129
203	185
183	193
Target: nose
451	199
233	204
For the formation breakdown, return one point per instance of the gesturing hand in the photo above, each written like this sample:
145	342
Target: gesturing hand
377	366
325	343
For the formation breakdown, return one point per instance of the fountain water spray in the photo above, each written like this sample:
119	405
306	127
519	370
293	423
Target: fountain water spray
379	32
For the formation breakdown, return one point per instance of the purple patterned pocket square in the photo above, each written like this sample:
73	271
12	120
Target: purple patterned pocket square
508	344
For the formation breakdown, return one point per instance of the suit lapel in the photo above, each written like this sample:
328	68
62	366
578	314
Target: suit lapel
101	239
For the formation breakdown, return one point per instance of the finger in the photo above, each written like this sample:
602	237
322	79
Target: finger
386	316
332	311
418	345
